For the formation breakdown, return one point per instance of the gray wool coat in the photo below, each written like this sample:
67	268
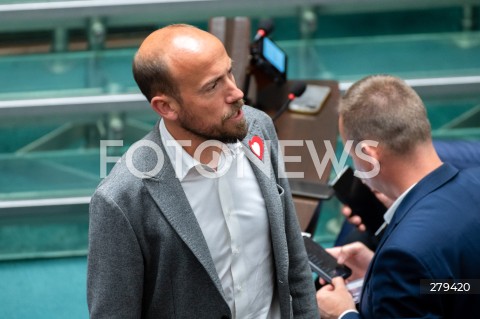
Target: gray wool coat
147	254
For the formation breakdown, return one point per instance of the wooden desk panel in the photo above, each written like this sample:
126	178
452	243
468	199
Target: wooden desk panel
320	128
305	208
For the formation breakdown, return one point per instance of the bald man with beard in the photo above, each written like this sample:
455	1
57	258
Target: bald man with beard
195	220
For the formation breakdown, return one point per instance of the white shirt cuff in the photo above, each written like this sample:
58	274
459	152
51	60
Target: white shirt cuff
345	312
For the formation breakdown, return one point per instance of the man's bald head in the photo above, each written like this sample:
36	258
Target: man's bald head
165	50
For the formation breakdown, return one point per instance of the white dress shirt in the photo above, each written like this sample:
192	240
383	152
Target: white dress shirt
230	210
387	217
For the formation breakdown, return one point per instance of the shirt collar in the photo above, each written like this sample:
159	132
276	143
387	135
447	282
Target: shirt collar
182	161
392	209
186	162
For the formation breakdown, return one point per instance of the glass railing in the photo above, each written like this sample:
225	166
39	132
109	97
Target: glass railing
49	157
407	56
66	74
347	59
62	156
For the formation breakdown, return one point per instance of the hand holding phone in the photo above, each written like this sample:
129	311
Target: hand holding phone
351	191
322	263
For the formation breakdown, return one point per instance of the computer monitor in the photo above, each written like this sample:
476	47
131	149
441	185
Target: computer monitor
274	55
269	58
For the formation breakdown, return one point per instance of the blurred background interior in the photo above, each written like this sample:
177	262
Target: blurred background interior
66	84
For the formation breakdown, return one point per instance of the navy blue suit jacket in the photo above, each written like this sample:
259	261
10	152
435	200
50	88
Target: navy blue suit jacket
434	234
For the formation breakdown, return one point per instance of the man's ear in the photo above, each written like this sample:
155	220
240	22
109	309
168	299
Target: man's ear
370	150
165	106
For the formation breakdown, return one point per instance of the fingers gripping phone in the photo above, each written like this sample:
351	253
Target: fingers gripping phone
351	191
322	263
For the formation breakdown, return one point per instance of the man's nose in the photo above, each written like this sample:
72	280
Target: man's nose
234	93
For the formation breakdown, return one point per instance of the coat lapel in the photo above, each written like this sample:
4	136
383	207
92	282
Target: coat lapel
168	194
265	174
430	183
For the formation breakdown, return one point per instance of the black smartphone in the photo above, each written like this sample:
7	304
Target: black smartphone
310	189
322	263
351	191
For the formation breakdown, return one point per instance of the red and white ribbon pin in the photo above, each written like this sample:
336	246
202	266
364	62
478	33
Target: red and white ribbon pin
256	145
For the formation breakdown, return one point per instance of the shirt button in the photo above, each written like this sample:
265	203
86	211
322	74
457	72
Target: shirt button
235	251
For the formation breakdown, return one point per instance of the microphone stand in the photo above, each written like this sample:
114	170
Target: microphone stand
282	109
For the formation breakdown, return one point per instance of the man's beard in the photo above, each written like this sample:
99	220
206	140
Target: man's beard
220	133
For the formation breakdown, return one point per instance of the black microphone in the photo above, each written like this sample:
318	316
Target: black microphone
297	89
265	28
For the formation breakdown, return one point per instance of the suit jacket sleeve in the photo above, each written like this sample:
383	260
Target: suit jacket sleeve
115	264
394	288
301	284
350	315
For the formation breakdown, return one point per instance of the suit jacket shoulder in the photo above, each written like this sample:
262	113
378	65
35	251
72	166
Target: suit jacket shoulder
434	229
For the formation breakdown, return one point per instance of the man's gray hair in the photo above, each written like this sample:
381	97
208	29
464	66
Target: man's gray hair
385	109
